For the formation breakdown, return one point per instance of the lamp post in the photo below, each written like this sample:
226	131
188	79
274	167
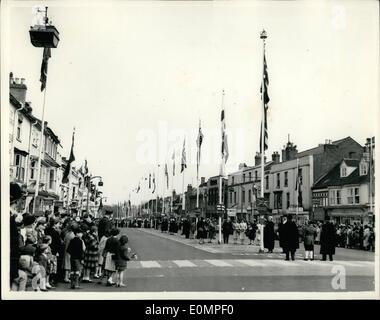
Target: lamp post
100	183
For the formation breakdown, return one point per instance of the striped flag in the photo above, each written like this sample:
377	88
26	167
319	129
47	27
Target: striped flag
183	161
154	183
224	150
264	94
44	67
173	158
298	186
199	143
167	176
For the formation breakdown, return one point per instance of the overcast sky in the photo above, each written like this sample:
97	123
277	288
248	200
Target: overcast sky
135	77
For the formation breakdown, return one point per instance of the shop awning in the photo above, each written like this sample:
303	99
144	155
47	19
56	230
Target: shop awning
22	152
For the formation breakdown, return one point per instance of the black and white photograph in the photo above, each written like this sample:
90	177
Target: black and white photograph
189	150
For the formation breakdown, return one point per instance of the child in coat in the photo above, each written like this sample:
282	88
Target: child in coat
76	250
125	254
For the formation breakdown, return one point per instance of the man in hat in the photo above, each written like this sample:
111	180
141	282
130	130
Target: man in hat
105	224
16	195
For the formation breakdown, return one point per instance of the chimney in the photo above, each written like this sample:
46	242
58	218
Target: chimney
17	88
257	159
276	157
289	152
203	180
242	166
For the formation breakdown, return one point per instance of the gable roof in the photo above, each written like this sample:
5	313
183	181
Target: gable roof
333	178
320	148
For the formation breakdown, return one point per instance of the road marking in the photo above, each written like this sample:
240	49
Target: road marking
150	264
285	263
184	263
251	262
348	263
219	263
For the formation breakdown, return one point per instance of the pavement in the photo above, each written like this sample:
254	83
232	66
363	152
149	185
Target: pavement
171	263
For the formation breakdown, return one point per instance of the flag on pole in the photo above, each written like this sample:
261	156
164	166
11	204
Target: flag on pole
224	150
154	183
65	178
264	94
85	168
167	176
199	143
44	67
183	161
138	188
173	158
298	186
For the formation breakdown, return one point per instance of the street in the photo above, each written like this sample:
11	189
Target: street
172	263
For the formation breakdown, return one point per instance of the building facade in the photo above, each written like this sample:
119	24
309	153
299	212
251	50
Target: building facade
344	193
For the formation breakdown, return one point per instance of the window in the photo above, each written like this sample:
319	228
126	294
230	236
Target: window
285	178
278	200
288	200
232	180
266	182
73	194
250	196
33	170
250	176
35	138
243	196
353	196
243	177
51	180
300	174
235	197
335	197
278	180
363	168
343	172
230	197
255	175
18	130
20	167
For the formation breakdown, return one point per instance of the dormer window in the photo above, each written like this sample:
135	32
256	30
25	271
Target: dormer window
363	168
343	172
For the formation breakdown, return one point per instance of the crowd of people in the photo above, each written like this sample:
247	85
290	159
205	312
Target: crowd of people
55	249
289	233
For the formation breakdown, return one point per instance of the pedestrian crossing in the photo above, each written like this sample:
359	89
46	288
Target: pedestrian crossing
241	263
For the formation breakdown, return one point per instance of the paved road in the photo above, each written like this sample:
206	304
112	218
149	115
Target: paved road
172	263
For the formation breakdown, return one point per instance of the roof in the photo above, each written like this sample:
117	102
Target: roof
320	148
333	178
351	162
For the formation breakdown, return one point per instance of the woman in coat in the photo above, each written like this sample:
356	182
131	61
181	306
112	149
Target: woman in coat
328	240
226	230
91	254
243	228
251	232
66	256
269	235
289	238
201	230
309	234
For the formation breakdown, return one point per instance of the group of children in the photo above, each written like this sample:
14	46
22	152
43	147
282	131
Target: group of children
104	258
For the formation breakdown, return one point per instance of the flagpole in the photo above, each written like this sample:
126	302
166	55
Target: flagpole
222	169
40	151
298	188
183	191
198	163
262	36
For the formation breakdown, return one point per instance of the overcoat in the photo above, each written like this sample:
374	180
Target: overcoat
289	236
328	238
